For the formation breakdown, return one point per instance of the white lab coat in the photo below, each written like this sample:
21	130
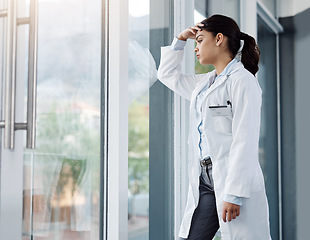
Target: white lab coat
232	141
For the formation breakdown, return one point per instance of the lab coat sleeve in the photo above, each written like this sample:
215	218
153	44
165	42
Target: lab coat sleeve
233	199
169	73
243	156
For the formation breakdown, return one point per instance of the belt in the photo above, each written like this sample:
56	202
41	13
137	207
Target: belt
205	162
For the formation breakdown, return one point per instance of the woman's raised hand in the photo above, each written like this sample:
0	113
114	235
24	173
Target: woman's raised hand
190	32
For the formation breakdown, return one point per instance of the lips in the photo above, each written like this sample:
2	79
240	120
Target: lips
197	56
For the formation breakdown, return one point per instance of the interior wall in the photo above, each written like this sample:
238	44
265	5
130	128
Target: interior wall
295	84
302	118
288	150
288	8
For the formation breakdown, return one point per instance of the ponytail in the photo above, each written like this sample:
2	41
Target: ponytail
250	53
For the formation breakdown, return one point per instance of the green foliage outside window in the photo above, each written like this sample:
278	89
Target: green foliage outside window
202	68
138	146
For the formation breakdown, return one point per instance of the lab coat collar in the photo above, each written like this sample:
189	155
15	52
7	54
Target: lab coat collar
221	78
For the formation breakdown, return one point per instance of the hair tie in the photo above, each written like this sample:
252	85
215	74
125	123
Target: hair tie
243	35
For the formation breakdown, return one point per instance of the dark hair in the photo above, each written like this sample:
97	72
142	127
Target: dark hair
228	27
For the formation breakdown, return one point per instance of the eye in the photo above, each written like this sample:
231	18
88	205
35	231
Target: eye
199	41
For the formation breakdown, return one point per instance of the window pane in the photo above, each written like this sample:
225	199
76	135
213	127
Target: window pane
138	120
201	13
149	154
62	175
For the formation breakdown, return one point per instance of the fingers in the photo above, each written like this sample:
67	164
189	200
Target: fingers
233	215
230	211
200	24
191	29
228	216
224	215
190	32
196	28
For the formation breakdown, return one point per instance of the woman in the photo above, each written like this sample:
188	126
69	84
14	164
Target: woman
226	184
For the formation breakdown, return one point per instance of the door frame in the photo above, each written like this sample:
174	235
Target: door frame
11	161
249	11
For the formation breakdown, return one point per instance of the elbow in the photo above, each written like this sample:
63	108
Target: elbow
161	72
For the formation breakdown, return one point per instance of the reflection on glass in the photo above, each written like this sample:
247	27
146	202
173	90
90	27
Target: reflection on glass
142	74
62	175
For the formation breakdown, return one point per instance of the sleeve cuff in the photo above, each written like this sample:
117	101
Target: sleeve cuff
233	199
177	44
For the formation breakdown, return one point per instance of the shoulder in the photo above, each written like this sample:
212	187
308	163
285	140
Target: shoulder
242	78
241	72
203	78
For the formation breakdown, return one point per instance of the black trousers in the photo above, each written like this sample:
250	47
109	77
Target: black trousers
205	221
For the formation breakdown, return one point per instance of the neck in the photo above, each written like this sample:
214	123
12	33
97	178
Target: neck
221	64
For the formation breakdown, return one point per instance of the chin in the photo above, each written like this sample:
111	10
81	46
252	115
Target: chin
203	62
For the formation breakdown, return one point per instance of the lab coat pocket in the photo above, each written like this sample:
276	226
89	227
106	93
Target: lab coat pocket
222	118
223	124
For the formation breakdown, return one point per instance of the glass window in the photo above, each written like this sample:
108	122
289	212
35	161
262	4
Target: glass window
150	178
268	144
139	81
62	175
201	12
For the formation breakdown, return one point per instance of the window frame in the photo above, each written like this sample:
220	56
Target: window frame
115	133
116	121
183	18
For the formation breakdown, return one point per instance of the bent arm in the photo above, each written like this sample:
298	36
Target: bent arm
169	73
243	156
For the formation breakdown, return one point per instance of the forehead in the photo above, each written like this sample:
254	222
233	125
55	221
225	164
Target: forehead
202	33
199	33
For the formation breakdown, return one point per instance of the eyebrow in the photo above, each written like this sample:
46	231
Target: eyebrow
198	36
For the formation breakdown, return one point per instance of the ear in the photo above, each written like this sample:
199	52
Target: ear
219	38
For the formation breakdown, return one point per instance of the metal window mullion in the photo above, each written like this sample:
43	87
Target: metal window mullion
3	13
10	89
21	21
279	137
181	107
32	75
117	195
268	18
10	76
178	166
103	234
